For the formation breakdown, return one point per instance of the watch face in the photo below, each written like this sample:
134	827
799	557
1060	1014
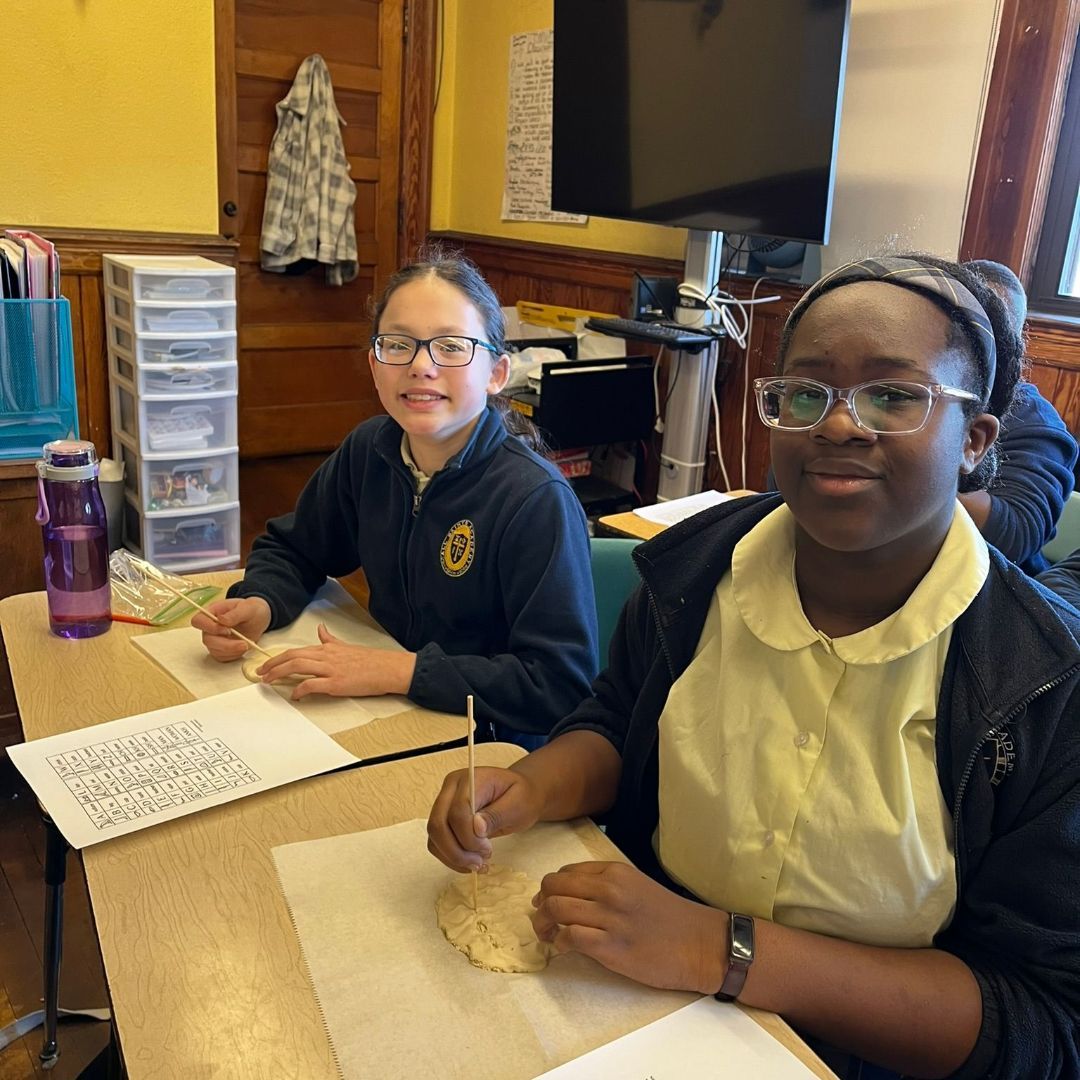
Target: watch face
742	939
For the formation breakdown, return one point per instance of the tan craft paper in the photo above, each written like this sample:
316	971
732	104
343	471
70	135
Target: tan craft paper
180	653
399	1000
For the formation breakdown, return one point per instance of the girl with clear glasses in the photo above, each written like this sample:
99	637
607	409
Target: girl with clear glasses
839	736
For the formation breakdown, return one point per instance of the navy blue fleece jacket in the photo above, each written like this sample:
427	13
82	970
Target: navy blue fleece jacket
1034	480
511	619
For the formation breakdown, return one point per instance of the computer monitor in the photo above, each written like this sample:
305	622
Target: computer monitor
708	114
592	402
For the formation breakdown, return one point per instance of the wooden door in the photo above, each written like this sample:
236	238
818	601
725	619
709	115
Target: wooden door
304	380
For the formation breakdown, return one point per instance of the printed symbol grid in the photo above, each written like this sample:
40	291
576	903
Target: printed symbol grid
121	780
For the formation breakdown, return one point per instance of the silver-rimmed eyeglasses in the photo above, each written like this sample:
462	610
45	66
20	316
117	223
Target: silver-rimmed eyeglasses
884	407
446	350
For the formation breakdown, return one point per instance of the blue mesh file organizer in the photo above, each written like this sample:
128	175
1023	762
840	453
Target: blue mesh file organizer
37	376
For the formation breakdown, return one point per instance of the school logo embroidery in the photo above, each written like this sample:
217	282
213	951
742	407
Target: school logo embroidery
458	548
999	757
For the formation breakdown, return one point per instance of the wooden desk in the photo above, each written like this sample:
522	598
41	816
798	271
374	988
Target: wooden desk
61	685
204	967
636	527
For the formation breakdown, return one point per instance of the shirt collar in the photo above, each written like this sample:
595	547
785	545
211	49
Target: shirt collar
767	596
419	475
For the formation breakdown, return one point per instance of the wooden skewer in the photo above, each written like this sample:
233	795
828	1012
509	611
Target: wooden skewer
206	611
472	789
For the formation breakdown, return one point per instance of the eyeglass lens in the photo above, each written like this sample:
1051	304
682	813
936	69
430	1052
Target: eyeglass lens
446	351
881	407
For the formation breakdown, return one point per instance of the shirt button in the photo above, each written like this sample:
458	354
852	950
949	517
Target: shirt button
802	738
770	836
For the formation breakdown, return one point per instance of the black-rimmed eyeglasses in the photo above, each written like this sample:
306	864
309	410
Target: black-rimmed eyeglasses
446	350
882	407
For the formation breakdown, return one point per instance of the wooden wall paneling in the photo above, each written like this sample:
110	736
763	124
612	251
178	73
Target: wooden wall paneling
92	336
555	274
420	70
225	108
1055	367
391	124
1020	127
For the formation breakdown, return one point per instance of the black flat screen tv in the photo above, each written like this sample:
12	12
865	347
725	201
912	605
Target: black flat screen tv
708	114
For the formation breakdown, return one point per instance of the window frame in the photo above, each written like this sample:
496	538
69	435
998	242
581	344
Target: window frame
1061	219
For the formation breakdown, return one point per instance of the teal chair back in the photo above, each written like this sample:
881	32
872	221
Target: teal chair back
1067	539
614	578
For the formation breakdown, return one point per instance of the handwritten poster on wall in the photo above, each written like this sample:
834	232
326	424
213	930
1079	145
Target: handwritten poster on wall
527	192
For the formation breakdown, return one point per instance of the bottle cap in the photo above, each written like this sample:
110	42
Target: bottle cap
68	459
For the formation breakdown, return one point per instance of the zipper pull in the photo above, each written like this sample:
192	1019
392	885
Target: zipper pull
416	503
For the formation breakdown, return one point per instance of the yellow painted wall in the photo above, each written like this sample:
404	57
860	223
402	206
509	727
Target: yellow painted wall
470	137
901	179
108	115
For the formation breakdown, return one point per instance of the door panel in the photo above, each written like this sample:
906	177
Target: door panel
361	42
346	30
304	380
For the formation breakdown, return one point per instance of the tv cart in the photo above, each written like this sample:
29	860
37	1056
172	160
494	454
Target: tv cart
691	373
690	380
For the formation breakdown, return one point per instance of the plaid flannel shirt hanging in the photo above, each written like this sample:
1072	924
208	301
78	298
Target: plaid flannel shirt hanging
308	215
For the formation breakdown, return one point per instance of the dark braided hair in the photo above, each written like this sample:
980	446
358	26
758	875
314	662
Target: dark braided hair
454	268
996	399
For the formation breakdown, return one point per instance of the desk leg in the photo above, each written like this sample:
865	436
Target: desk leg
56	850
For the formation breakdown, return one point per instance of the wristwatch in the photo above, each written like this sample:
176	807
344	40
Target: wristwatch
740	957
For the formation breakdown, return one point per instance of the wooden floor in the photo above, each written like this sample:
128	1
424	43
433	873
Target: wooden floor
22	907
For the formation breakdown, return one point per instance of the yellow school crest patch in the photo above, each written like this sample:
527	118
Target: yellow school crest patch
458	548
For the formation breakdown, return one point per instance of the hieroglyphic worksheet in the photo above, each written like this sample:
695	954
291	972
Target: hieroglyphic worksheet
114	778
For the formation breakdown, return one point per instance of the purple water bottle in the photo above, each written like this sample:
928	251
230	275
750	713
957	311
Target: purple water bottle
72	518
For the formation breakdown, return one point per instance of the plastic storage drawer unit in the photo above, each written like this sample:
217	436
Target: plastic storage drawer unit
172	348
174	379
184	541
154	317
151	277
167	424
158	482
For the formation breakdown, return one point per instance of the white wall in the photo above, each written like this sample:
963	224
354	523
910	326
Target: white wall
913	96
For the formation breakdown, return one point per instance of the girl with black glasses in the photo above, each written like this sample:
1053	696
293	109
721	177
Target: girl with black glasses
475	548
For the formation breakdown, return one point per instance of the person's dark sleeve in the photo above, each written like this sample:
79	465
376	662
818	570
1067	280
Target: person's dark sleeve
1064	578
550	658
1018	928
1034	479
299	551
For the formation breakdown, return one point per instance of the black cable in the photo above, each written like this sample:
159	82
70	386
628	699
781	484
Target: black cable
442	43
735	250
675	379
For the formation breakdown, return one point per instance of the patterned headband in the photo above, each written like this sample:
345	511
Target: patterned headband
919	277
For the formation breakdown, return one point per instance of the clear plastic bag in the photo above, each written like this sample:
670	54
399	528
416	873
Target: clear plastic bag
139	596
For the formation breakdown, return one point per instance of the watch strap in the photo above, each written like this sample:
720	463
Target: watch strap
740	956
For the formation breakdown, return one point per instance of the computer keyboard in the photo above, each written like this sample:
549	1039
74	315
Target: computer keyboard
674	337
